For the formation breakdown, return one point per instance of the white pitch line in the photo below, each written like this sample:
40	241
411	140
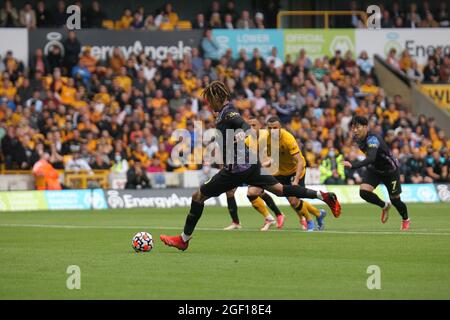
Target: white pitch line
220	229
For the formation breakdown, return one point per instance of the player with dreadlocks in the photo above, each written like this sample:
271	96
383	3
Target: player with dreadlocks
235	173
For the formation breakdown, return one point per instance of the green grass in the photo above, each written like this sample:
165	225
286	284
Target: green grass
37	247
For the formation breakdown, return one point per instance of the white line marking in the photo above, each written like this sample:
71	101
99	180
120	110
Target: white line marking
55	226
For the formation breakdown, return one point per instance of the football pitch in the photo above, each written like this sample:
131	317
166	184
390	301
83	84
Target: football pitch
36	248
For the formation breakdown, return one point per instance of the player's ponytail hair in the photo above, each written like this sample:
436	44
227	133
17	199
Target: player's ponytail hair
216	93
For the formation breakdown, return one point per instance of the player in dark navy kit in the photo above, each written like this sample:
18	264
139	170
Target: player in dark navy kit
382	167
236	173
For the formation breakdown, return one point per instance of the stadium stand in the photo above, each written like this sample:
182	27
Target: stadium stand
106	112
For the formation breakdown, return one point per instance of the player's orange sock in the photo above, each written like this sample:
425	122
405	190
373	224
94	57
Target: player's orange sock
301	210
260	206
311	208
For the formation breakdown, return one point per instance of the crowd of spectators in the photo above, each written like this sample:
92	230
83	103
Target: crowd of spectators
88	114
218	14
436	70
423	14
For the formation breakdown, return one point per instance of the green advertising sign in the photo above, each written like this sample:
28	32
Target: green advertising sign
22	201
318	43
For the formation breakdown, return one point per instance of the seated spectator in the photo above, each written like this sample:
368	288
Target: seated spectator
126	19
354	176
259	21
46	177
28	16
368	87
95	15
60	15
399	22
273	57
137	178
443	16
89	61
77	164
436	168
392	59
80	72
444	70
149	23
199	22
215	22
405	61
430	72
43	16
155	166
101	162
386	21
228	22
412	17
172	16
285	111
429	21
257	64
415	168
331	168
138	21
245	22
9	18
414	73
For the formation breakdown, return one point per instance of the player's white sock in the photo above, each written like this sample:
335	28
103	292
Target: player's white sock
185	237
270	217
319	195
386	204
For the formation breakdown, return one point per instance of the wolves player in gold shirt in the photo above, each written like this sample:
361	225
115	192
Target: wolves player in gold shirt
291	171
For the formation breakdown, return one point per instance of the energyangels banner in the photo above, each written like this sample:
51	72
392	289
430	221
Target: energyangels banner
155	44
317	42
98	199
440	93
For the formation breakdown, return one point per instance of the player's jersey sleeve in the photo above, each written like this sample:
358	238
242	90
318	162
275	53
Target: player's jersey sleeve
289	143
234	120
372	148
373	142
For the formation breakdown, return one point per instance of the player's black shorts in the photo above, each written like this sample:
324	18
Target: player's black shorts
225	180
391	181
287	180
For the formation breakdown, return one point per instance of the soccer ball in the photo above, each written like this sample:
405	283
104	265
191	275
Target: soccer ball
142	242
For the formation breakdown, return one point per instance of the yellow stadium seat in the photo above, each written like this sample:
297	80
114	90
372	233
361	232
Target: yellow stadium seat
108	24
184	25
166	26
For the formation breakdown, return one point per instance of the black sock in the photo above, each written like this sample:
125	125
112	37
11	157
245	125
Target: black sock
371	198
232	209
270	203
194	215
401	207
299	192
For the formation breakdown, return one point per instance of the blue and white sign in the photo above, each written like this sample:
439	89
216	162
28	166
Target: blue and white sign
416	193
264	40
76	199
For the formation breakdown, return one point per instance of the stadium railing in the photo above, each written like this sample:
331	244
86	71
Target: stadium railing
85	179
